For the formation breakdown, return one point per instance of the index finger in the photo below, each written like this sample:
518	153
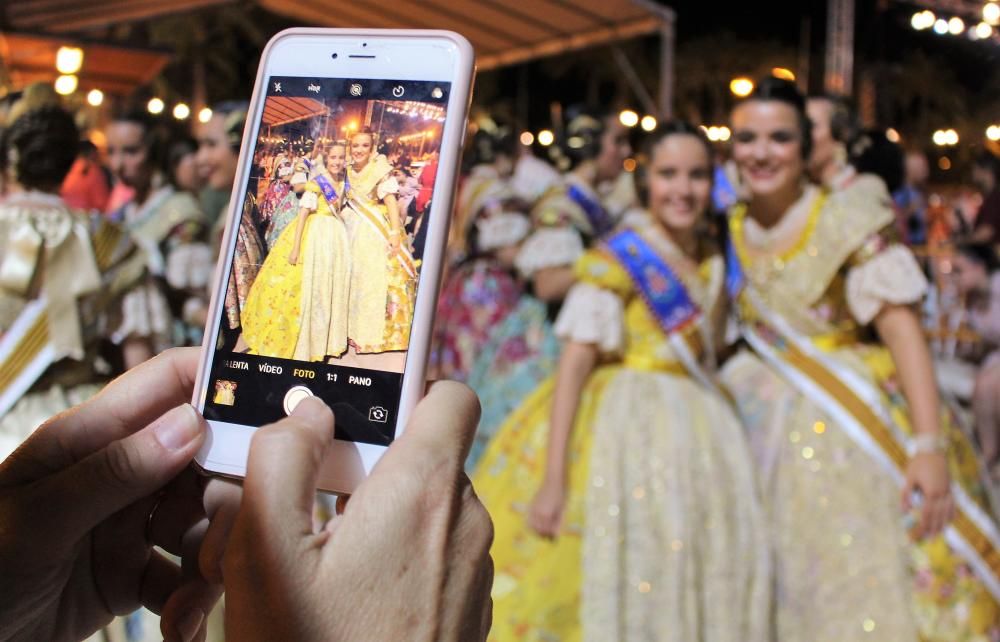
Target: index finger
126	405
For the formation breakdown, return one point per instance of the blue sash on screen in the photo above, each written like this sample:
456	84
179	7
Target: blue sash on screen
599	219
735	279
663	292
329	192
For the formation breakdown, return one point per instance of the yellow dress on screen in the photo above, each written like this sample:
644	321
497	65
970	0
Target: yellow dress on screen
382	285
300	311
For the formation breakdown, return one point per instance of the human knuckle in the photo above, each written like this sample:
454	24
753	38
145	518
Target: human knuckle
120	464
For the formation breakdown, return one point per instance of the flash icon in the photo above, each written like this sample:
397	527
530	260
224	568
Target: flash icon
436	92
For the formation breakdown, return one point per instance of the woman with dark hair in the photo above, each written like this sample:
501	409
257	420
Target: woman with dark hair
166	222
297	307
643	498
182	165
481	288
877	523
833	128
64	280
218	157
569	218
569	212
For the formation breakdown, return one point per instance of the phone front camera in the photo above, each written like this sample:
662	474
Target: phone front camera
364	44
334	56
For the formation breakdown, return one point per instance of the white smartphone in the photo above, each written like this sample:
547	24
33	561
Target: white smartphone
332	258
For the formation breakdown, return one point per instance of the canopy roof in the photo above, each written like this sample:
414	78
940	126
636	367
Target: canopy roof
503	32
29	58
279	110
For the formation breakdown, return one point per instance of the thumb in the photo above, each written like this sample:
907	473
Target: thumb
124	471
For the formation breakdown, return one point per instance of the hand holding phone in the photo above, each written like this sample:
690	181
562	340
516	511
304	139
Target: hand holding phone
339	308
284	581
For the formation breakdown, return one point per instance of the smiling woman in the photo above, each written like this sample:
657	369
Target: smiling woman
843	424
593	484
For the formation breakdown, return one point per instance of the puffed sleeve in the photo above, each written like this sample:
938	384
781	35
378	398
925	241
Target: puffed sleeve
594	308
309	200
549	247
883	272
592	315
190	266
386	187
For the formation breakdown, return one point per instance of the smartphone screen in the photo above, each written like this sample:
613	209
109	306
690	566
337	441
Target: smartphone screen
324	273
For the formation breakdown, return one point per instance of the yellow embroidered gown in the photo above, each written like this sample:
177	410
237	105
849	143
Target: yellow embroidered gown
662	526
382	286
845	568
300	311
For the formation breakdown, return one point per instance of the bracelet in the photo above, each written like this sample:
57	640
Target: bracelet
927	443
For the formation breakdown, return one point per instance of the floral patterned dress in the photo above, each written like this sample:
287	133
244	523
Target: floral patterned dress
476	297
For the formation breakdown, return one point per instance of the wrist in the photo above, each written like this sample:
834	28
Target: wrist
927	444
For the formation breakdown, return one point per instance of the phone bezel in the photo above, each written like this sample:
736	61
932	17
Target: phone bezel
430	55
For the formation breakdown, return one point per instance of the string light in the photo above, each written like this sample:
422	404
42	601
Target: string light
69	60
155	106
648	123
628	118
991	13
204	115
95	97
546	137
66	84
527	139
741	87
181	111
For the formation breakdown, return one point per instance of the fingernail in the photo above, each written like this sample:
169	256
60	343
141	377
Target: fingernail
189	625
312	409
177	428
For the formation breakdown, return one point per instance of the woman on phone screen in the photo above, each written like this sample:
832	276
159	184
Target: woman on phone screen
879	530
297	307
383	276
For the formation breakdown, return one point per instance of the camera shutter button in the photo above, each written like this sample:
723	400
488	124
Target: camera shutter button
295	395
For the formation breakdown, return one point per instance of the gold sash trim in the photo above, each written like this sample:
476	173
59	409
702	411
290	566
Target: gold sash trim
29	346
884	437
649	363
974	539
365	212
106	240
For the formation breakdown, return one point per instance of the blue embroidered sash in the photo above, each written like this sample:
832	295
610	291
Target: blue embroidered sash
735	279
329	192
599	219
664	294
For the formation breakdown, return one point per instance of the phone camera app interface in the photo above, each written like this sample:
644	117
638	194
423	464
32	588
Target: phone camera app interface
324	274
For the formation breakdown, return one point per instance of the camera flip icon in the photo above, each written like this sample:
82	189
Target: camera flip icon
378	414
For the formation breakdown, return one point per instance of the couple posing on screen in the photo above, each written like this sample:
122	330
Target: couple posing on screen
341	279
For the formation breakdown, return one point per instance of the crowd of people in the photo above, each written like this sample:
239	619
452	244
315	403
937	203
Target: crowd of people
742	393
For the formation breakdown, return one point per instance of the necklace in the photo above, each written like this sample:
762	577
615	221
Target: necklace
737	232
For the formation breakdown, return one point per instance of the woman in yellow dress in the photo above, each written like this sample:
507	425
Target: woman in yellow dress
297	307
638	519
878	528
383	280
